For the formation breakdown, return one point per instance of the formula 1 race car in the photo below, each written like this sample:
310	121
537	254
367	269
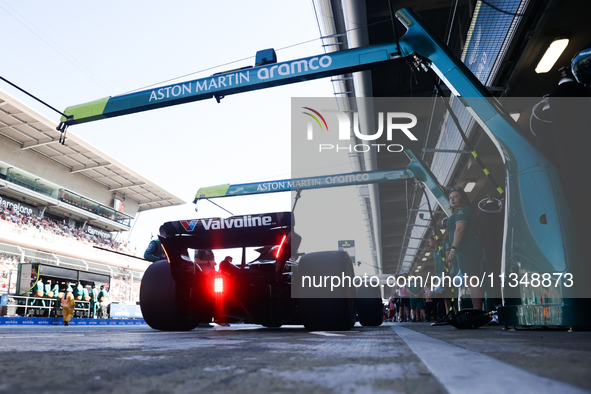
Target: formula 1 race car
258	281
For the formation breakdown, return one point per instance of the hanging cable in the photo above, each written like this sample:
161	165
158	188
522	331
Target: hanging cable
62	127
30	95
246	58
219	206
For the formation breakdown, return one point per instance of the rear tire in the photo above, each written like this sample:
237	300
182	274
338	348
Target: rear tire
370	309
328	310
158	300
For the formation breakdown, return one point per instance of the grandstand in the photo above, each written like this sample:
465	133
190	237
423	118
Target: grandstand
67	205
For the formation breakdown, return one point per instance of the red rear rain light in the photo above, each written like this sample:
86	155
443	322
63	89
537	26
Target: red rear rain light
218	285
280	246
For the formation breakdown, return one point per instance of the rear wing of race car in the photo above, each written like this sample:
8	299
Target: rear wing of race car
224	233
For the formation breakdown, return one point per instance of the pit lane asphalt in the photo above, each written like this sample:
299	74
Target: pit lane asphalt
403	358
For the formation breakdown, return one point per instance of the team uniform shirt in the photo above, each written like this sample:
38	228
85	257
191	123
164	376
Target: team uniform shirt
154	252
94	295
469	253
416	300
78	291
38	288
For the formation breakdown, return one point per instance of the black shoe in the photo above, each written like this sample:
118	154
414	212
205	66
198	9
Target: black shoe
66	323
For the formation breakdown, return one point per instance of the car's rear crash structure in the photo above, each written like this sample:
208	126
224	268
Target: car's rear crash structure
182	292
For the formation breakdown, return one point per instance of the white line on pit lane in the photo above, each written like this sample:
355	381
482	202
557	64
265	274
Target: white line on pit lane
327	334
461	371
30	336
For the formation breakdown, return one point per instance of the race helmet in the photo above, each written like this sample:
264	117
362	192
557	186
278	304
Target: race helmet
204	255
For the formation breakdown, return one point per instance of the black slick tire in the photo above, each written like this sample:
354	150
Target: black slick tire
370	309
327	310
158	300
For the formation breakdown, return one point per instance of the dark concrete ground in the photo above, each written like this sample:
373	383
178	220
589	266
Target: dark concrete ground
403	358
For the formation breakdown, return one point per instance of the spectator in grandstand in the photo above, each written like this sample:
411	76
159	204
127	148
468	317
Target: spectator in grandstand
463	236
93	301
154	252
68	305
47	225
102	299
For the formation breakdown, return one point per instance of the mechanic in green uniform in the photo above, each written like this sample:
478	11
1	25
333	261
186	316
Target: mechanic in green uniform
93	301
78	291
38	292
465	246
56	290
56	295
154	251
86	297
48	292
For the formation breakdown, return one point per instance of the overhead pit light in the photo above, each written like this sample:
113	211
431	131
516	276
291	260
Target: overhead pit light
469	187
428	254
424	259
551	56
